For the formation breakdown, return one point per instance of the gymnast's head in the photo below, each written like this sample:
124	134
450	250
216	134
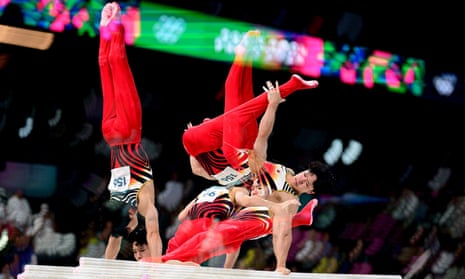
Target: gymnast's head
140	248
317	177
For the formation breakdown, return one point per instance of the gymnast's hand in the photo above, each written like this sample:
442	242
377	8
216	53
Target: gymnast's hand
274	95
255	163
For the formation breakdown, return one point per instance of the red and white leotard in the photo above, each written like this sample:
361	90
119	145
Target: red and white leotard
210	206
221	144
122	121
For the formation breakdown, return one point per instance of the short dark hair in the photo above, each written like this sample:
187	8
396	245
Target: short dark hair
325	177
139	235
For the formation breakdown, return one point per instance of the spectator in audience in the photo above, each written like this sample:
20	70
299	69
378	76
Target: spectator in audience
170	198
18	210
3	202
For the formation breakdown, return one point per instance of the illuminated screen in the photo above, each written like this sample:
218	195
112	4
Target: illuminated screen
195	34
189	33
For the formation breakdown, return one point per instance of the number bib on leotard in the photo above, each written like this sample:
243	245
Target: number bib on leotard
210	194
230	176
120	179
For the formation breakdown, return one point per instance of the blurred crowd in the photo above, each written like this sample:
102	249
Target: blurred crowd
417	233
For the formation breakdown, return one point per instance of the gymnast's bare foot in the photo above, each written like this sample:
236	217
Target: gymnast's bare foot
244	45
300	83
283	270
110	12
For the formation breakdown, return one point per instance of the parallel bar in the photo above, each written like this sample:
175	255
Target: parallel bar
96	268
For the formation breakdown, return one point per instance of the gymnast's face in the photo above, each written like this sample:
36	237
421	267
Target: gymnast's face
140	251
304	182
